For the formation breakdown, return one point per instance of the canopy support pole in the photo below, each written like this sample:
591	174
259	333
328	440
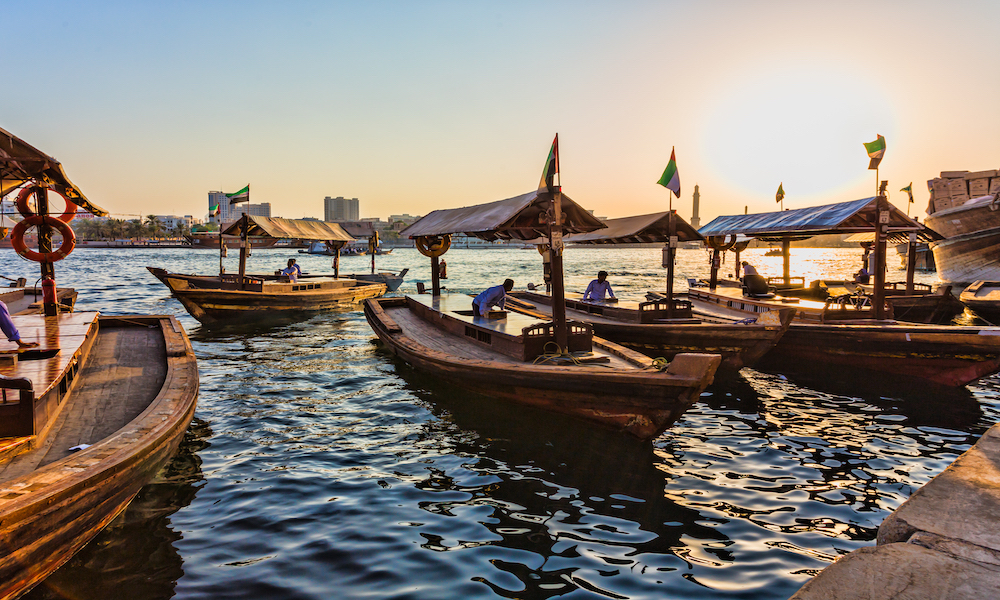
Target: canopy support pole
911	263
435	276
49	304
244	228
881	233
558	290
786	247
222	250
671	257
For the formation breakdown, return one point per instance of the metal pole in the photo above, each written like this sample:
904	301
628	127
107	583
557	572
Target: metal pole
671	256
911	262
786	248
244	228
435	277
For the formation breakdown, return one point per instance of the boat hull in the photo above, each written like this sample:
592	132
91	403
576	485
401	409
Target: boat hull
49	514
983	298
971	248
642	402
947	355
208	299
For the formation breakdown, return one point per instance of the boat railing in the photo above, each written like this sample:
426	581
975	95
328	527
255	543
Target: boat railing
580	338
791	282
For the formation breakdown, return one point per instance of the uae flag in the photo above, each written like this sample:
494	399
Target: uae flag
670	179
240	196
909	191
875	151
551	166
215	210
780	194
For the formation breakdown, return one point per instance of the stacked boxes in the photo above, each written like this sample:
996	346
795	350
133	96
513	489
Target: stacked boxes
954	188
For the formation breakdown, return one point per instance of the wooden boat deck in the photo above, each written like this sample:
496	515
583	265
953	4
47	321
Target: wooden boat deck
459	307
124	373
65	332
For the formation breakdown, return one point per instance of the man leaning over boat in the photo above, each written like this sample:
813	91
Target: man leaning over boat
494	296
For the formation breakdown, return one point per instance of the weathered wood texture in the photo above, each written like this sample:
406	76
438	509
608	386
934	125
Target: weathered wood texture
49	512
739	345
626	393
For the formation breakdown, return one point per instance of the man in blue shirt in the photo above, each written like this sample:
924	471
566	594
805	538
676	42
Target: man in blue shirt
598	288
494	296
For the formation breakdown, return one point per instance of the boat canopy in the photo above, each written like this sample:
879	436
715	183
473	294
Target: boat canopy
21	163
301	229
514	218
803	223
925	235
639	229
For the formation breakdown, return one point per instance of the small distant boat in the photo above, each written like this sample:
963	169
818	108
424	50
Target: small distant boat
773	252
983	298
392	281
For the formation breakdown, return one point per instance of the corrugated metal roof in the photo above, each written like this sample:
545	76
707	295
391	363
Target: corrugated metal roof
22	163
300	229
513	218
638	229
801	223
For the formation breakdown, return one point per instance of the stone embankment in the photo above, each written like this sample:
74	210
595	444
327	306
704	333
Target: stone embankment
943	542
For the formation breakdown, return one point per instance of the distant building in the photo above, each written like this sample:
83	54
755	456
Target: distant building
230	212
341	209
172	221
404	218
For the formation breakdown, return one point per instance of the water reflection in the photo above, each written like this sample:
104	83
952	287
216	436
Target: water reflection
560	492
135	556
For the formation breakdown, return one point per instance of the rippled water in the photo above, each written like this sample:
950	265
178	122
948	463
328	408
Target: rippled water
321	467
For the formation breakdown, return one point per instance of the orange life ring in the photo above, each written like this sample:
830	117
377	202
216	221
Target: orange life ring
69	239
24	209
432	245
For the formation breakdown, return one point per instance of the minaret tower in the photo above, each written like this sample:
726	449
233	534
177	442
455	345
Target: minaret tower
695	220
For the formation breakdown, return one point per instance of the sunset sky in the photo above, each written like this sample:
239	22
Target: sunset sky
411	106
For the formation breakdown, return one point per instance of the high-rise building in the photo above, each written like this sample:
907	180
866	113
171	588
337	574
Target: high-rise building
341	209
230	212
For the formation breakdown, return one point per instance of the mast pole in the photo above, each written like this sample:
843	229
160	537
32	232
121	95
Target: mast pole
671	257
881	233
558	289
49	304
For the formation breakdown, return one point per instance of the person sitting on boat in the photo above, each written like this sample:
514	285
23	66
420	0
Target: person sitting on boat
10	330
292	270
598	288
862	276
494	296
753	283
748	269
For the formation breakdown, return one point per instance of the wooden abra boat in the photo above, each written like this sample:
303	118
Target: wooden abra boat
53	501
645	327
219	299
848	330
215	300
601	382
557	365
825	335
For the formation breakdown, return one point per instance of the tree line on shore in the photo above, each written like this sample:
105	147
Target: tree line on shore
148	227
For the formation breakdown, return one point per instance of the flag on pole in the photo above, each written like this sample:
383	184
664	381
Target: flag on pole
215	210
240	196
551	166
670	179
875	151
780	194
909	191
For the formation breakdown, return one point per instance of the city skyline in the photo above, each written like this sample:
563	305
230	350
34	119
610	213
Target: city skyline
418	106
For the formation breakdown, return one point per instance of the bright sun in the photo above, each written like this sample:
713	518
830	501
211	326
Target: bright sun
803	128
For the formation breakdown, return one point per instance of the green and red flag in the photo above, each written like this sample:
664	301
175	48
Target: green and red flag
215	210
240	196
551	166
909	191
780	194
670	179
875	151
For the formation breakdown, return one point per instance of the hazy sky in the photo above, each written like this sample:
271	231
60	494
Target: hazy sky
411	106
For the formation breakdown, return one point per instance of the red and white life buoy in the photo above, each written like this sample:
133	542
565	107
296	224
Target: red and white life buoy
24	209
68	243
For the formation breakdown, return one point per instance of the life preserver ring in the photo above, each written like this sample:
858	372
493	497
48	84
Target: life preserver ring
69	239
433	245
24	209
